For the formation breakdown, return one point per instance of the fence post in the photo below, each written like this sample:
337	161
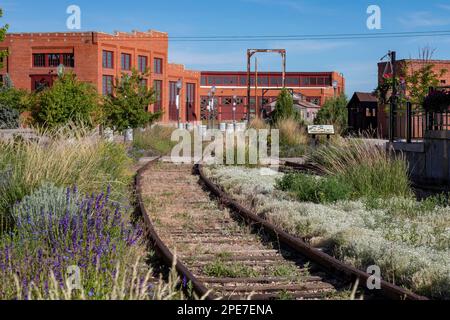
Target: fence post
408	122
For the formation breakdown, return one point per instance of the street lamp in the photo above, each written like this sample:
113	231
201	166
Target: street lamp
60	70
212	96
335	86
234	111
179	87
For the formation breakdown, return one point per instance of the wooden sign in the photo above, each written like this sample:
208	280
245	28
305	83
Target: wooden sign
321	130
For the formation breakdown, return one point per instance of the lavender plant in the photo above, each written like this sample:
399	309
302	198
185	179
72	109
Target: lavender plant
89	232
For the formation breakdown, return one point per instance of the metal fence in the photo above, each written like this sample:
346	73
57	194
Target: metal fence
412	123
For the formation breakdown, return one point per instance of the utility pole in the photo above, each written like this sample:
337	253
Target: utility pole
256	88
393	106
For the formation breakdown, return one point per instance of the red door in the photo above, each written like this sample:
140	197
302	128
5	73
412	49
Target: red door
40	82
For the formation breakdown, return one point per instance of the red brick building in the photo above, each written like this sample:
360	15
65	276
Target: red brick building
99	58
316	87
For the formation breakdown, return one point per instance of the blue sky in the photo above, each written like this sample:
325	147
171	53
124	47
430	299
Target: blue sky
356	59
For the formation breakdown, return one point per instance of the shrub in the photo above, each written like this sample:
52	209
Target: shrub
64	160
292	133
368	168
9	118
315	189
16	99
156	140
94	235
67	101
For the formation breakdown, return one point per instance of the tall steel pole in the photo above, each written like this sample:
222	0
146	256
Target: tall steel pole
256	89
249	56
393	107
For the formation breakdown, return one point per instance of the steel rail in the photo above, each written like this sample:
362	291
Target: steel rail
165	253
322	259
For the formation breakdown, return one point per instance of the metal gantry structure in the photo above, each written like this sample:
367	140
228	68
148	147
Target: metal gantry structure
250	54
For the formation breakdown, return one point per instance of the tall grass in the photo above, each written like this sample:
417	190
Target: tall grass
292	132
64	160
156	140
368	168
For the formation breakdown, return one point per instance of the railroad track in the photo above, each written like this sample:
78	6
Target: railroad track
224	251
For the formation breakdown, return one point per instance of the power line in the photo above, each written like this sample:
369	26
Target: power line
348	36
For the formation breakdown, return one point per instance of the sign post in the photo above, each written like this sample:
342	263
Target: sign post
321	130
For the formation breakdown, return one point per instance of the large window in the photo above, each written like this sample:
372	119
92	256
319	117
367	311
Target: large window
39	60
68	60
53	60
157	86
108	59
108	82
158	65
125	61
142	63
190	102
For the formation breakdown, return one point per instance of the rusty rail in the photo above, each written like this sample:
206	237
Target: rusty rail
165	253
324	260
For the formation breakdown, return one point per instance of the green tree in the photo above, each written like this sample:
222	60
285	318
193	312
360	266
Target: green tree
127	107
419	81
67	101
284	108
3	30
334	111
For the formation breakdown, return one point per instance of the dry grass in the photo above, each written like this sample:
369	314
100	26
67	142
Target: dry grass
368	168
292	133
258	124
65	159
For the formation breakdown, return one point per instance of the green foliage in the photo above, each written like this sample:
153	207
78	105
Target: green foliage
369	169
221	270
420	81
64	161
334	112
13	98
9	118
127	107
67	101
284	109
315	189
3	30
156	140
48	198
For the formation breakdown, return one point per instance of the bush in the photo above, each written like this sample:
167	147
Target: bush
292	133
369	169
9	118
315	189
65	160
156	140
16	99
67	101
94	235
